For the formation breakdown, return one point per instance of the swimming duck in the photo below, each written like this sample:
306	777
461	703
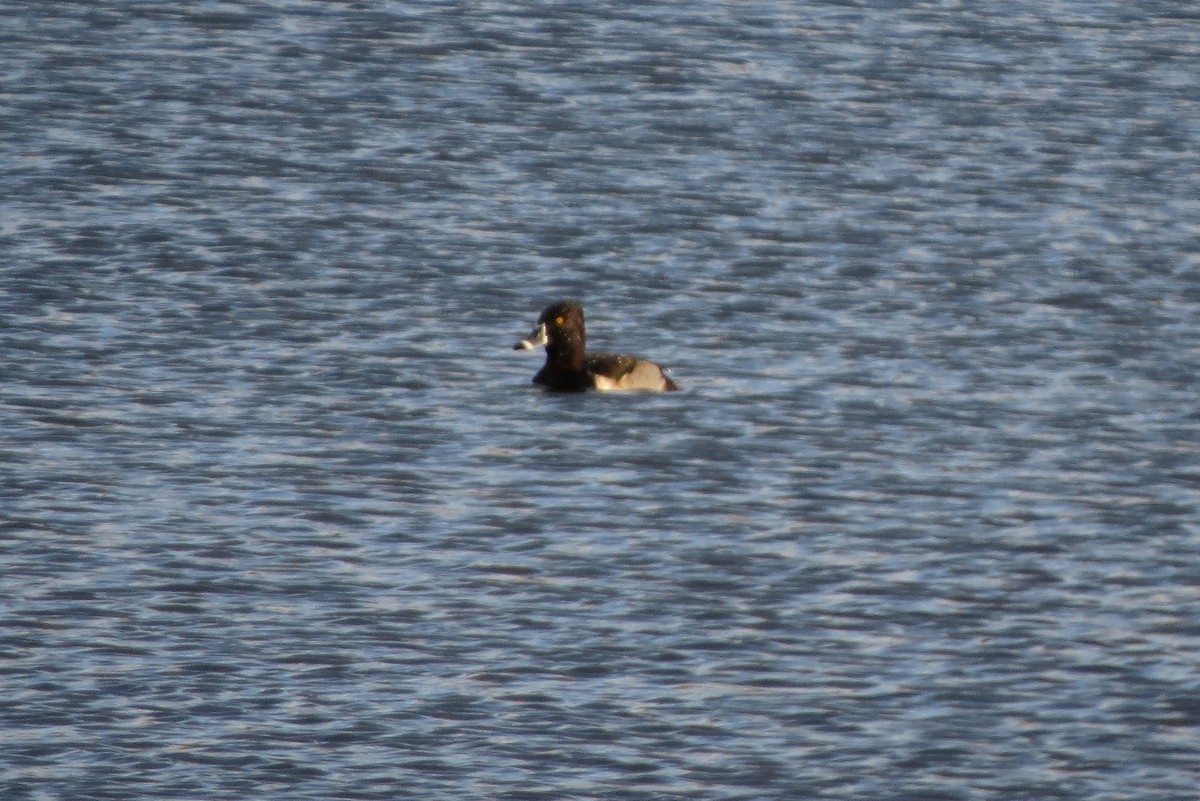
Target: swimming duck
570	368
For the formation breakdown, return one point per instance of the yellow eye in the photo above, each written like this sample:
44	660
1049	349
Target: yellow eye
558	320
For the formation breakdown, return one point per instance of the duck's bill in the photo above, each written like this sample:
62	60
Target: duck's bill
535	340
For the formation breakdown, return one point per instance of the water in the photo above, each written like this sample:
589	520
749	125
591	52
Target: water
283	517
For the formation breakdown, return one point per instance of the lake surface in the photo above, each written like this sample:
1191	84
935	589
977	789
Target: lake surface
282	516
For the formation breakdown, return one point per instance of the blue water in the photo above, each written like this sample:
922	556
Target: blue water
283	518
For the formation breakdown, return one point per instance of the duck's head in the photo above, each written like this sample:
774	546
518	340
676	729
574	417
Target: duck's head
559	328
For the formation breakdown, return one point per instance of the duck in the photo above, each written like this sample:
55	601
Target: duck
570	368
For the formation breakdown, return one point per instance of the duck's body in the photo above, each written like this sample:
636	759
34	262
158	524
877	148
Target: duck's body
570	368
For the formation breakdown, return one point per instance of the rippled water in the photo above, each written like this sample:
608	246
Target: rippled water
283	516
